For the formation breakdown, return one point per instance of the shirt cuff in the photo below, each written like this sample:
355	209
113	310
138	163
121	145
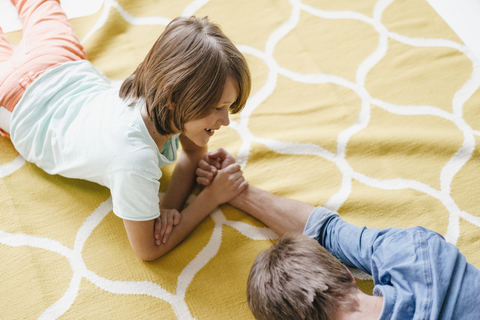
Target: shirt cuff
316	220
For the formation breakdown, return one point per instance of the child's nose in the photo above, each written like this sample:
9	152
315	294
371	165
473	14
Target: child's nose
224	119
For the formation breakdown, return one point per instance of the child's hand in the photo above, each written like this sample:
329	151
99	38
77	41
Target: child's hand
228	183
164	224
211	163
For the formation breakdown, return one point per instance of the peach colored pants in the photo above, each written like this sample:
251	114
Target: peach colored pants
48	41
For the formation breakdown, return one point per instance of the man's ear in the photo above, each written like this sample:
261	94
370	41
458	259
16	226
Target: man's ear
352	278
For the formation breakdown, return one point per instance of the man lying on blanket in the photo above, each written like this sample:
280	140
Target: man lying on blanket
417	274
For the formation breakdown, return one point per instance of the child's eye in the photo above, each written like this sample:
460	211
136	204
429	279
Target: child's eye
218	109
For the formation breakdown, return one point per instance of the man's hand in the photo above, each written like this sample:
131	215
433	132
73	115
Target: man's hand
211	163
164	224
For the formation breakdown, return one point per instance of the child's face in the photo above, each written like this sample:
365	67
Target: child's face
200	130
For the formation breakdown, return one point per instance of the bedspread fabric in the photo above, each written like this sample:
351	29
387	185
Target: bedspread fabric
367	108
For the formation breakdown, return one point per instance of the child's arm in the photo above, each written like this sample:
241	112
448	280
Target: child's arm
180	187
183	177
165	223
229	182
218	159
212	162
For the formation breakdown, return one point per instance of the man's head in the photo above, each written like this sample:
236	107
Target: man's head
298	279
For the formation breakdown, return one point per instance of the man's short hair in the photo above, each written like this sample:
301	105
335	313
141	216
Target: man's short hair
298	279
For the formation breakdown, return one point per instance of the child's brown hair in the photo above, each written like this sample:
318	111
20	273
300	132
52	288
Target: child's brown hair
298	279
183	76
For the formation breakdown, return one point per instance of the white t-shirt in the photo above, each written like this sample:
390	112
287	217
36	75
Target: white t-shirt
72	122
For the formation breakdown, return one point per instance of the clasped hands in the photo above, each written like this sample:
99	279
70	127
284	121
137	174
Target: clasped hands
218	173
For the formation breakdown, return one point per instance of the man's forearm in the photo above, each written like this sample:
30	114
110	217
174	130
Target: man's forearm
282	215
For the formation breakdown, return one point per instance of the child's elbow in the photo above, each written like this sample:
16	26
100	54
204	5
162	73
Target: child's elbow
147	257
150	255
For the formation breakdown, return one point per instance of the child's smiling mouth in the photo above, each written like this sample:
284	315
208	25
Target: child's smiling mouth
210	131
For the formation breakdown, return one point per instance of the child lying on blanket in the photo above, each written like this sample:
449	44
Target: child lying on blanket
68	119
417	274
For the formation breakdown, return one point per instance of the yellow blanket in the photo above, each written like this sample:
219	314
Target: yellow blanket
369	108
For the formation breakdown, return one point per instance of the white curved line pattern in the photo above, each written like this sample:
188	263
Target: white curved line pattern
10	167
450	169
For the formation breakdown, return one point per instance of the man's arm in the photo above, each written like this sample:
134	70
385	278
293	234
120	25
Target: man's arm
282	215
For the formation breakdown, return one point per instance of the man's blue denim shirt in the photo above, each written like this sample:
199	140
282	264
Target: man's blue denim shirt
418	273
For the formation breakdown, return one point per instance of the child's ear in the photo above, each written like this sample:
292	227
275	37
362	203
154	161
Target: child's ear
172	106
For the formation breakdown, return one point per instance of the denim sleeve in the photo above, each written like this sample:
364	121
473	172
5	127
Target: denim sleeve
352	245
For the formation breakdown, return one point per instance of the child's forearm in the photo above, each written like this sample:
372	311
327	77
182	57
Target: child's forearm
182	181
141	234
228	184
